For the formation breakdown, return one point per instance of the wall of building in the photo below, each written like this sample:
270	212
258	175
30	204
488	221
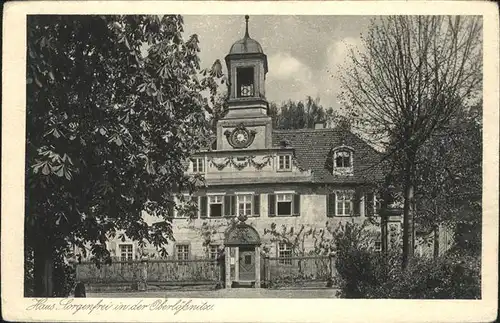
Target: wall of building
313	214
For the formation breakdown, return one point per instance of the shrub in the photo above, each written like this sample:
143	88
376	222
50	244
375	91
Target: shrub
441	278
365	273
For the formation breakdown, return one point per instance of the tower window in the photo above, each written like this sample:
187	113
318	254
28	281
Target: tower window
245	82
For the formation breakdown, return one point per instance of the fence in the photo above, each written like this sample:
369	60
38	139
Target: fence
299	271
142	272
275	272
116	272
183	271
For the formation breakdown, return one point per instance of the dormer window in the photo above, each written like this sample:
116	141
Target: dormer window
343	158
245	82
342	161
198	164
284	162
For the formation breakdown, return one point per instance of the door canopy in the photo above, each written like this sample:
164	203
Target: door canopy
242	234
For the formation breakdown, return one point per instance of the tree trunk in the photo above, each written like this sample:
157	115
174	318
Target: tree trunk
436	241
408	236
43	270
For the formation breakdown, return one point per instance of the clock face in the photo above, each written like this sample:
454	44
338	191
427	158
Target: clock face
240	137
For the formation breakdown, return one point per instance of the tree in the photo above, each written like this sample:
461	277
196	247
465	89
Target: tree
297	115
449	182
109	124
414	74
219	110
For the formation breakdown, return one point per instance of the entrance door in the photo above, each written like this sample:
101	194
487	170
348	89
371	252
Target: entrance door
247	263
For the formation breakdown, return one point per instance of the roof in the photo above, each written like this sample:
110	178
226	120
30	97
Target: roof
246	45
314	151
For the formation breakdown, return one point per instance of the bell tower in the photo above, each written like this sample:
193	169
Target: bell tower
246	125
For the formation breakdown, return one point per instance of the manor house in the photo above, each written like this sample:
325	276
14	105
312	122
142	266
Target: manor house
267	178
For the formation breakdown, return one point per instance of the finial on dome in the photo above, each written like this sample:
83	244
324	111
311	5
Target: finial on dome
246	29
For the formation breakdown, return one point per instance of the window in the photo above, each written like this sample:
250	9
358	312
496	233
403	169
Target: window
284	162
343	159
372	204
245	205
126	252
215	205
343	204
198	165
245	82
284	204
182	252
284	251
213	251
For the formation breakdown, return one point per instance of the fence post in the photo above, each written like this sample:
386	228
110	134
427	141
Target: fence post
267	270
257	267
227	270
143	277
332	266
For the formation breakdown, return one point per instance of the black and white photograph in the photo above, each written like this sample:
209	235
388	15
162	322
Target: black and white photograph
202	157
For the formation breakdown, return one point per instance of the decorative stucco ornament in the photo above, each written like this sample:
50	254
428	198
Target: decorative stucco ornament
242	218
266	160
240	137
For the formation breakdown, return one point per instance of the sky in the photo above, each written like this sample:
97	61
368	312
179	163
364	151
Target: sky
304	52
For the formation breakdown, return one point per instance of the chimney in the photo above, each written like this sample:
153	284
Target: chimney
319	125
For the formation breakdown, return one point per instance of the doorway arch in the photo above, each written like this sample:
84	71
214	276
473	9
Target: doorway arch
244	241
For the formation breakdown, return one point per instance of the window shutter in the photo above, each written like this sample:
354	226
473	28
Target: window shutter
227	205
256	205
296	204
203	206
369	204
330	205
272	205
233	205
197	200
355	203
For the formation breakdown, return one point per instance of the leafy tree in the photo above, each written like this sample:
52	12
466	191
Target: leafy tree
274	112
449	185
414	74
109	124
219	110
297	115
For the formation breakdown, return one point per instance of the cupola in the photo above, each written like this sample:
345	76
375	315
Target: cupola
247	68
246	45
